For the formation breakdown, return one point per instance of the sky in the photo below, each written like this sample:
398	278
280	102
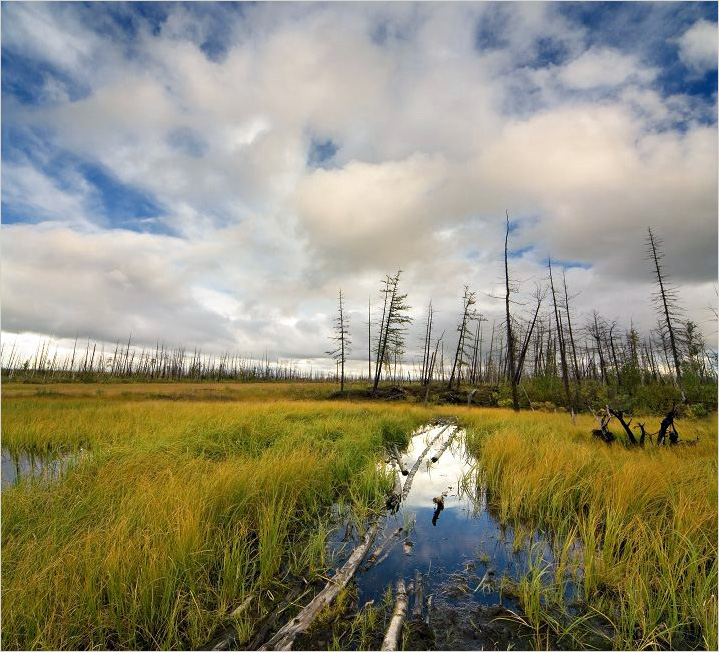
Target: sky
211	174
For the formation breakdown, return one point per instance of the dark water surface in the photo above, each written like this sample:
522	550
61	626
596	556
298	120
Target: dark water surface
462	551
33	467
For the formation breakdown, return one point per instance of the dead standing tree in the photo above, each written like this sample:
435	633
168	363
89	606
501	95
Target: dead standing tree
342	340
666	301
393	325
560	338
468	314
510	336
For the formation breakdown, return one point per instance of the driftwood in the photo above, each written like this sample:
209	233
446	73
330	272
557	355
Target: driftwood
391	638
430	603
286	635
444	447
398	458
415	467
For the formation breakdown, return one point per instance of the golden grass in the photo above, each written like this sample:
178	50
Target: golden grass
194	497
647	518
180	511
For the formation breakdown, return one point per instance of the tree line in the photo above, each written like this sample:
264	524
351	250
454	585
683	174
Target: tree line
549	343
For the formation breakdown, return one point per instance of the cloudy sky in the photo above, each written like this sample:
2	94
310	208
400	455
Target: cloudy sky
211	174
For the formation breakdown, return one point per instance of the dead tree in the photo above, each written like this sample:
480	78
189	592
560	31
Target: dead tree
392	326
369	339
603	431
666	301
539	296
468	314
427	350
665	425
625	424
560	338
342	340
510	337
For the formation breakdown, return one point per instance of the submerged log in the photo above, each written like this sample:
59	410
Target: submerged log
378	550
286	635
418	595
430	603
395	496
391	638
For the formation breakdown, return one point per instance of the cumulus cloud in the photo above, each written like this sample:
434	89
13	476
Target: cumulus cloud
438	117
599	67
698	46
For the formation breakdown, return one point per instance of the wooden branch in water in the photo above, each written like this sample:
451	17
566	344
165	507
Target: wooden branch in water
444	447
391	638
430	603
286	635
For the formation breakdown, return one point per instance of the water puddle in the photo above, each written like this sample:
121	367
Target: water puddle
449	535
16	468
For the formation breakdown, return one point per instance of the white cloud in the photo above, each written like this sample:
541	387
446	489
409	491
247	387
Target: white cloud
599	67
698	46
435	140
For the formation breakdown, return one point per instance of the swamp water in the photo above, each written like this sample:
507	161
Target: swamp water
468	561
33	467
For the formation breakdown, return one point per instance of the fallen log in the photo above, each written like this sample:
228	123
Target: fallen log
391	638
271	619
286	635
400	463
444	447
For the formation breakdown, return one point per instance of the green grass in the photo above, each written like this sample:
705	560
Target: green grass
180	511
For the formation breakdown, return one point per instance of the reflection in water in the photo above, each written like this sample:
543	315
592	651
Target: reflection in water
464	553
15	468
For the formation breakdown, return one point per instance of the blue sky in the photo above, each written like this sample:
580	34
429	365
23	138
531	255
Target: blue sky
234	163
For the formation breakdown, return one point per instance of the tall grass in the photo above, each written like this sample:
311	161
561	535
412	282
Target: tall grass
179	512
646	518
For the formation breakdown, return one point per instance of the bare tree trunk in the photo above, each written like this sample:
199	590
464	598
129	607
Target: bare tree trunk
510	338
560	337
666	299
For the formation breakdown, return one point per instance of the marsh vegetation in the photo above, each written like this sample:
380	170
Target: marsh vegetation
195	500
